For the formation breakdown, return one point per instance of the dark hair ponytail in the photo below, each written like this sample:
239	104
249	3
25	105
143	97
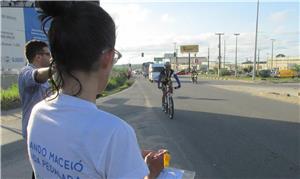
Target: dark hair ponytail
78	33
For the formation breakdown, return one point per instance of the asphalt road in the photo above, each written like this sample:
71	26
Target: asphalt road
216	133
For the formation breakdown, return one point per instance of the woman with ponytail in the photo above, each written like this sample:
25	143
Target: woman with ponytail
68	136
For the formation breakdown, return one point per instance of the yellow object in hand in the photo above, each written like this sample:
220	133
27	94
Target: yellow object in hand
167	158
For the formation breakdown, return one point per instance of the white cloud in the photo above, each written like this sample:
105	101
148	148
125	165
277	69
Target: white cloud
165	44
165	18
279	17
279	29
138	31
131	21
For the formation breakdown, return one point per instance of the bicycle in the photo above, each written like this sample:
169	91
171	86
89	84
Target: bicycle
194	78
168	105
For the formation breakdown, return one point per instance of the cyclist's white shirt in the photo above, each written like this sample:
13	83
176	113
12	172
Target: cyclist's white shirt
70	138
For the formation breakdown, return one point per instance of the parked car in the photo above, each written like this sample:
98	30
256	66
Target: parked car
182	72
249	74
265	73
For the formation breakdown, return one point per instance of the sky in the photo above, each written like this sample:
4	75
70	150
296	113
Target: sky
158	27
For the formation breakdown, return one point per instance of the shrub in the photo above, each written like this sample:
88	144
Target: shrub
211	71
296	68
116	81
224	72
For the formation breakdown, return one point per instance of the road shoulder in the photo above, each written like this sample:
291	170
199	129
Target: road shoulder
289	95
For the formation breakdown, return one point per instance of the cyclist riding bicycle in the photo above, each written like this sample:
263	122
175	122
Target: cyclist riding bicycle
165	79
194	75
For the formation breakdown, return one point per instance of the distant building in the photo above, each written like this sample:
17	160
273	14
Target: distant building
262	65
194	60
212	64
283	63
182	63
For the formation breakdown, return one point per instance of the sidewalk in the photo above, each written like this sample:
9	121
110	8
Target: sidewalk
11	126
15	163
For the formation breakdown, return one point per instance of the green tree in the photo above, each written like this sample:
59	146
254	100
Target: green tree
296	68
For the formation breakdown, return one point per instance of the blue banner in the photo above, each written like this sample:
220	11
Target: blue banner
33	27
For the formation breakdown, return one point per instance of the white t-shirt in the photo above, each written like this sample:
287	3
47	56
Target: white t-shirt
70	138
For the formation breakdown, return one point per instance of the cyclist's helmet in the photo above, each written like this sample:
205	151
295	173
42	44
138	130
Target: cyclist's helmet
168	65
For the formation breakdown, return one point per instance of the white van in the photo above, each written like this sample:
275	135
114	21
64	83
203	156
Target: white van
154	71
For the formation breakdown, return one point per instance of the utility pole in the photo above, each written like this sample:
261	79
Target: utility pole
255	48
189	62
272	53
219	68
208	61
258	52
224	53
236	37
175	56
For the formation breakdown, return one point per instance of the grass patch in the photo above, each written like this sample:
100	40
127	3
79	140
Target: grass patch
10	98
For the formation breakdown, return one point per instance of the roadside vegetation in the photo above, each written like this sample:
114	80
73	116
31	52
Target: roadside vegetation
262	75
118	81
10	98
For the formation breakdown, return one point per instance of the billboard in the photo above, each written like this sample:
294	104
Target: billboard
33	27
189	48
19	25
12	39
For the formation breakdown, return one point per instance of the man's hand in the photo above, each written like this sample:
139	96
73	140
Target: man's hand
42	74
52	66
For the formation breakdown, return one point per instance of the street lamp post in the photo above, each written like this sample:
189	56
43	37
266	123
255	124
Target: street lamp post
175	56
219	68
236	37
258	52
255	48
272	53
208	61
224	66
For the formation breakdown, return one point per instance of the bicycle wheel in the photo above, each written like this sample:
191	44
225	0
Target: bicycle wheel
163	106
194	80
171	108
166	104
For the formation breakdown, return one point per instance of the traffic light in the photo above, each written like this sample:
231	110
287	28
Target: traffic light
175	54
142	54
